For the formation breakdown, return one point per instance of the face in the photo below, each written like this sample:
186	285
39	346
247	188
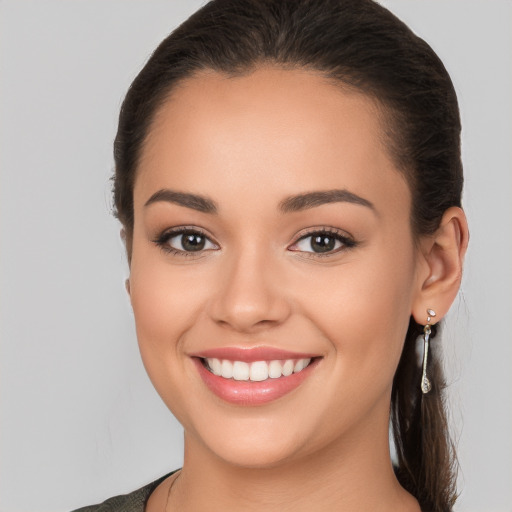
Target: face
271	225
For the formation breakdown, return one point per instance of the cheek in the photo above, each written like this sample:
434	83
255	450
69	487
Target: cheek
363	309
165	301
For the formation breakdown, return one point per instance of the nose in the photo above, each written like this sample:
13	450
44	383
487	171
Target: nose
251	296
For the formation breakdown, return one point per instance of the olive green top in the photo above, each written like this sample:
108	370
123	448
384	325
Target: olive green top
132	502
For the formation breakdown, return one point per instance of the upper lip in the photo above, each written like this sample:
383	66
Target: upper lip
252	354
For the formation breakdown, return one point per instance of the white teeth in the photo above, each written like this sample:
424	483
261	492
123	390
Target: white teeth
301	364
275	369
226	369
216	366
288	367
240	370
257	371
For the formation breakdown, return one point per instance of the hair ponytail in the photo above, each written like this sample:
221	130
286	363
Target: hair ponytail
426	462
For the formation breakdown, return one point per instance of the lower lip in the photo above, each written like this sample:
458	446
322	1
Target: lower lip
241	392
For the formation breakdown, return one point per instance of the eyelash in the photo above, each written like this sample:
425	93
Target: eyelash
162	241
329	232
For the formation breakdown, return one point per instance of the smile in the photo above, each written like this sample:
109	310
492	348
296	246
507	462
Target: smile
255	376
257	371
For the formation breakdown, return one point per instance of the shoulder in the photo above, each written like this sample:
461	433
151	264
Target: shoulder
132	502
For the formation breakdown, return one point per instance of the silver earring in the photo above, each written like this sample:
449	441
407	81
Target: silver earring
426	385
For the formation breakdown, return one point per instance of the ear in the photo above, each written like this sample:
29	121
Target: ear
440	268
127	286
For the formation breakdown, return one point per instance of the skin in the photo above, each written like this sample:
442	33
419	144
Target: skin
248	143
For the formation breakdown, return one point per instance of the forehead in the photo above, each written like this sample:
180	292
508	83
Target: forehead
273	131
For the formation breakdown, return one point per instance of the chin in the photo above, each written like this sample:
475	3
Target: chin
255	453
253	442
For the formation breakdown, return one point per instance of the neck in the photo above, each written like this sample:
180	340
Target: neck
351	474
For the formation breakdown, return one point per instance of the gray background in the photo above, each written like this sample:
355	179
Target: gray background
79	419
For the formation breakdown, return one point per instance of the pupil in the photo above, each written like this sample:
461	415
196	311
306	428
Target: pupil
192	242
322	243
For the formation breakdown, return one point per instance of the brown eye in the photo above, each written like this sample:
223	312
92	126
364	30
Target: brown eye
322	243
319	243
184	241
191	241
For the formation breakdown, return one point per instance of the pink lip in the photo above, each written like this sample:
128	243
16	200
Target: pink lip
249	355
250	393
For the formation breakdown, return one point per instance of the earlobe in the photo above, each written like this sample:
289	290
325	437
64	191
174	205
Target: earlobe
443	255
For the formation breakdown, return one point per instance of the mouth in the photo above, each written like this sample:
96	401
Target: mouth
251	377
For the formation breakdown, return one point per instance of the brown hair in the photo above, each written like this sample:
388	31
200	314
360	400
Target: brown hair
360	44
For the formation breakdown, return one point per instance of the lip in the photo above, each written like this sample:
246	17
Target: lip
250	393
250	355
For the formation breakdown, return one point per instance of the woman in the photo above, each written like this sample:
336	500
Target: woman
288	178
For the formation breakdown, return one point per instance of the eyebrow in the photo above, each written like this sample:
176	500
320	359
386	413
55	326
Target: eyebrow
291	204
193	201
313	199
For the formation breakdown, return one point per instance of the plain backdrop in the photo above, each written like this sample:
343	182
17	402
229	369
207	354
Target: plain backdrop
79	419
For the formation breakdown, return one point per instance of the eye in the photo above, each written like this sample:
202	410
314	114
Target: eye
322	242
184	241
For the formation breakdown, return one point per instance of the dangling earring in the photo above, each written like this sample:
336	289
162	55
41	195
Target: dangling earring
426	385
